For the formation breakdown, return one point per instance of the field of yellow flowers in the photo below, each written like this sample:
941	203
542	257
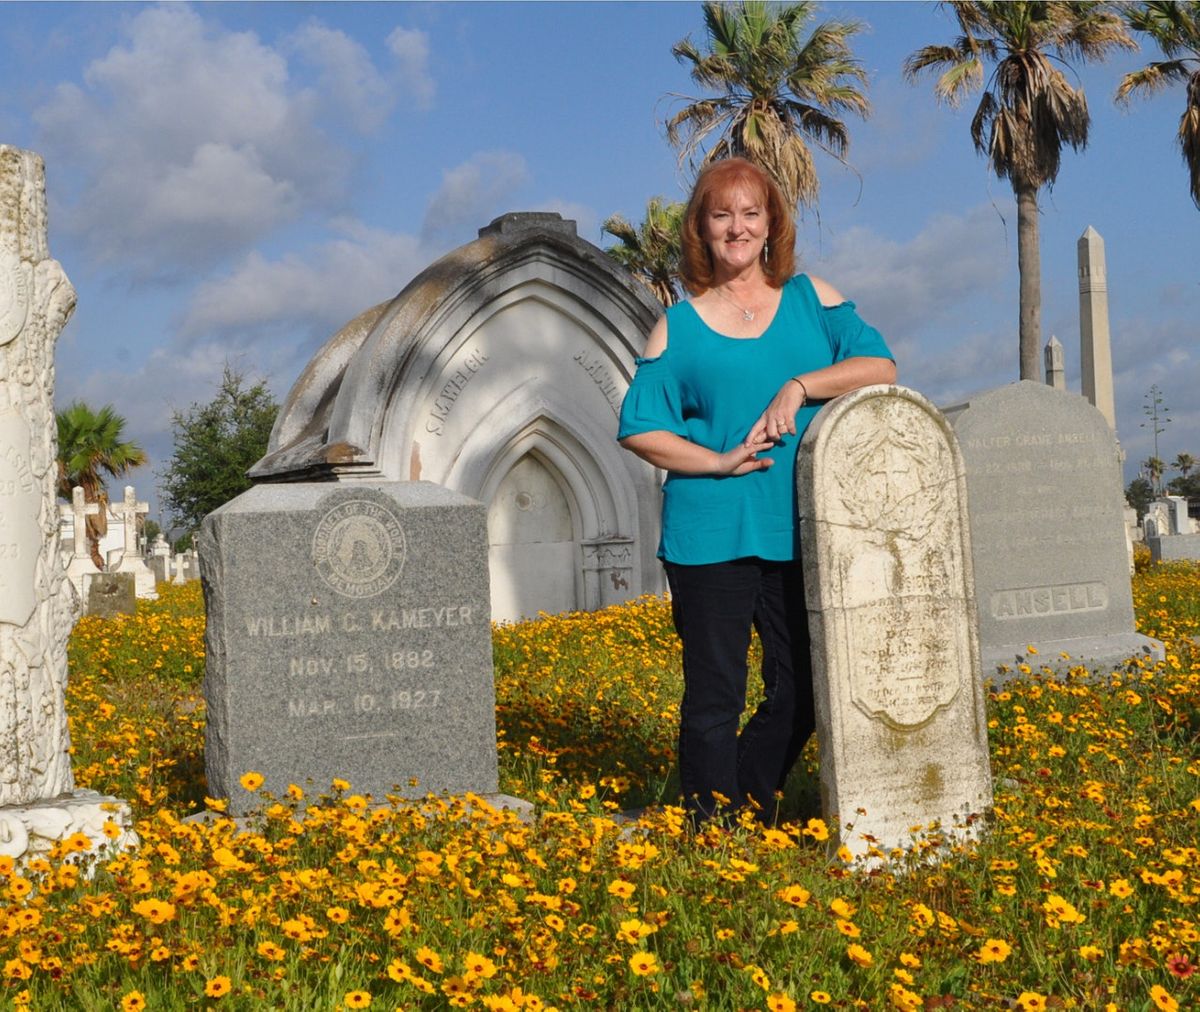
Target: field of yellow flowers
1083	895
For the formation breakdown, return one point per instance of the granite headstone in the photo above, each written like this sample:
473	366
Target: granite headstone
887	572
348	638
1047	530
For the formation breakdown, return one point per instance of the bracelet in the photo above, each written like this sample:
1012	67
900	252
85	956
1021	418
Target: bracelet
802	387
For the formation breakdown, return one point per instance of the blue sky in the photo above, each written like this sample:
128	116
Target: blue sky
233	182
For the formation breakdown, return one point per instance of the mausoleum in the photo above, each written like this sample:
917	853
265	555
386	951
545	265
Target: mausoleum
498	372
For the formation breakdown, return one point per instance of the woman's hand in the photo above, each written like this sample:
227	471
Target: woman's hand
674	453
780	417
743	458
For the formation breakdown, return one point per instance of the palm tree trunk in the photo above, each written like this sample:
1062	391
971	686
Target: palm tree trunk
1029	266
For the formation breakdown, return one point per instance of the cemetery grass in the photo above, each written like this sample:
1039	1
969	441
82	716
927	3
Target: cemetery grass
1082	895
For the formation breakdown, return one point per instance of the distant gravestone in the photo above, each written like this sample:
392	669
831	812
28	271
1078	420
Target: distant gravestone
887	572
81	564
348	637
110	594
1048	531
130	510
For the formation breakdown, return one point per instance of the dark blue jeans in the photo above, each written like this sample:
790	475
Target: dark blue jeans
714	607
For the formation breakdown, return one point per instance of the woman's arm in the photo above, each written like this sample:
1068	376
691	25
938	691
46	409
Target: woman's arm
779	418
674	453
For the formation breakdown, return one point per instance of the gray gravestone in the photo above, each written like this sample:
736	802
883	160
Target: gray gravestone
1048	530
887	575
110	594
348	637
1175	547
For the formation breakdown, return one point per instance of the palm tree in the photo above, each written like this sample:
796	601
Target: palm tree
776	90
91	443
1028	110
650	251
1154	468
1176	29
1183	463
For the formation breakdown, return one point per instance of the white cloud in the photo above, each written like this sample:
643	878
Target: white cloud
192	142
472	194
410	47
347	77
315	292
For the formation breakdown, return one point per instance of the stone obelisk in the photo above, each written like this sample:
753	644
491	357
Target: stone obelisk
1095	353
1055	373
38	803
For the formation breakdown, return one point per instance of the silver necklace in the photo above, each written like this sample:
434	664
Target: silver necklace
747	314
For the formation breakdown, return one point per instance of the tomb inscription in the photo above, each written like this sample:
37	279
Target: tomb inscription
378	631
1047	529
447	397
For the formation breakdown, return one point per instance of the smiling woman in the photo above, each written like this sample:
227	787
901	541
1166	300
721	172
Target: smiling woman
725	390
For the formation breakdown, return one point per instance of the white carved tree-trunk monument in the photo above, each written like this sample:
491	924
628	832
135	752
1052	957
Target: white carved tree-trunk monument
38	802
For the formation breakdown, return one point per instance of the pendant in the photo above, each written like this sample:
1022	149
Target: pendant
747	315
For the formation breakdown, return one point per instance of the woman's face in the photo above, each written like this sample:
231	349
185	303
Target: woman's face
734	227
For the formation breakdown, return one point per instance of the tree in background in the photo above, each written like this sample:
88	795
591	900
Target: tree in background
91	444
650	251
776	89
1176	29
1187	484
1154	468
1184	463
1140	494
1028	110
215	445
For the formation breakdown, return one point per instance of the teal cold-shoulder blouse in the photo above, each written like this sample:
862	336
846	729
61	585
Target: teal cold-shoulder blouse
709	389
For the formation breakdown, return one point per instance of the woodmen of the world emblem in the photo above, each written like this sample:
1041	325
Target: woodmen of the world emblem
359	548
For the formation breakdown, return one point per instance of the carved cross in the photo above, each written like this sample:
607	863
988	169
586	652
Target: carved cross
129	511
80	511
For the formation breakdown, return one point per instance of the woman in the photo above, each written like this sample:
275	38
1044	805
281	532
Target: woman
729	382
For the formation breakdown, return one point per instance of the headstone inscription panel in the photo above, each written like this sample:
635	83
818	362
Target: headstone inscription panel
348	638
887	571
1047	530
20	528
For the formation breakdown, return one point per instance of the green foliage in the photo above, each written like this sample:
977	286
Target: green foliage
650	251
91	444
215	445
1140	494
1185	485
779	85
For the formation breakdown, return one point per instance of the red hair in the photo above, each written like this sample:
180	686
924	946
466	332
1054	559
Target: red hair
715	183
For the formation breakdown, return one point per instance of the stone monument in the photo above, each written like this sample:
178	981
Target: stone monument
129	510
348	637
1095	353
498	372
1055	372
81	565
38	803
1047	531
887	572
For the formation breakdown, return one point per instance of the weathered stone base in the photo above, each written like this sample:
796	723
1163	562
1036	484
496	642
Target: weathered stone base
31	831
1175	547
1096	653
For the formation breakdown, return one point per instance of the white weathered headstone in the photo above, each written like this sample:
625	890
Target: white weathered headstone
891	603
37	606
178	569
129	510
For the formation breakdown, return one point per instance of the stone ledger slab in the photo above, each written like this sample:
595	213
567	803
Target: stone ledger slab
348	637
887	570
1047	530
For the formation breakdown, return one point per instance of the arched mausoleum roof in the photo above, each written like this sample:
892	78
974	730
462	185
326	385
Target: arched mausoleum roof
376	400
